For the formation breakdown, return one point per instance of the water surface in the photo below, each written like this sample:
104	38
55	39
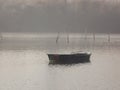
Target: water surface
24	65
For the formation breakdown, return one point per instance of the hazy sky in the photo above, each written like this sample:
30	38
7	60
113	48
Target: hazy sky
102	16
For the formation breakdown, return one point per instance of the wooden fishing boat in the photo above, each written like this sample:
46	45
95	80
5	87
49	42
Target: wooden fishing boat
73	58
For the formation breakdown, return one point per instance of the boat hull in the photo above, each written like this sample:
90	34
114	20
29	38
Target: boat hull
68	58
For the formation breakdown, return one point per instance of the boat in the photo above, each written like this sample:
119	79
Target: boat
72	58
69	58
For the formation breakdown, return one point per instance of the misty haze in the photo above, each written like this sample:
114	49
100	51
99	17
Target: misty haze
32	29
59	16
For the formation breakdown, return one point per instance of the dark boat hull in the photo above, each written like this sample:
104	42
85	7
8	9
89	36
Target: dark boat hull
68	58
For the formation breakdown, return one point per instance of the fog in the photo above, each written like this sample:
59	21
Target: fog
51	16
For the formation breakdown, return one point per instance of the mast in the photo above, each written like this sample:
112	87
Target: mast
109	38
67	38
93	36
85	33
109	41
86	46
57	38
1	37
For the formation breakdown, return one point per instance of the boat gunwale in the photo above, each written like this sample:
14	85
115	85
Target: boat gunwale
71	54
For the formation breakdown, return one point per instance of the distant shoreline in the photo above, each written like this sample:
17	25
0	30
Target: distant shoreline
54	35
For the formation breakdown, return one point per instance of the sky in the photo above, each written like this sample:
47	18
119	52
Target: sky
49	16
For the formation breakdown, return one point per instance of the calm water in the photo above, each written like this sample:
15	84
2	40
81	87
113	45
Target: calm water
24	65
